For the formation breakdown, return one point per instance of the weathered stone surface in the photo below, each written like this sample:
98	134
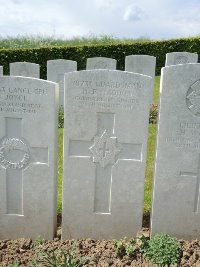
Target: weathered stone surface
101	63
55	73
28	157
25	69
176	203
105	138
1	70
176	58
142	64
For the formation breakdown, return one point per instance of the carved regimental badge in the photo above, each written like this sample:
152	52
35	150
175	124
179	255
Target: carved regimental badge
193	98
104	149
12	148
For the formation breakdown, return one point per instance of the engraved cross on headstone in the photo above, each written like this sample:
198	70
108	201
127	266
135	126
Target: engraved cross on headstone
106	151
197	176
15	157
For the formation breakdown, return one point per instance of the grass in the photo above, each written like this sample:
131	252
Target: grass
34	41
149	167
156	89
149	162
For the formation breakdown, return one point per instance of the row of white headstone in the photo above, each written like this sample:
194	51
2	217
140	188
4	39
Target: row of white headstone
56	69
105	144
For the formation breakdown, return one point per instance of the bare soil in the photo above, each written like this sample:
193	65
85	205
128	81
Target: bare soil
101	252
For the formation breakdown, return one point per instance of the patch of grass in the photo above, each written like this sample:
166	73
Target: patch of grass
151	155
156	89
59	258
149	167
38	242
125	247
61	118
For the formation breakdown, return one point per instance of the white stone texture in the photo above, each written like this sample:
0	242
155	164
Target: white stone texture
105	139
55	73
1	70
25	69
101	63
176	58
176	202
28	157
142	64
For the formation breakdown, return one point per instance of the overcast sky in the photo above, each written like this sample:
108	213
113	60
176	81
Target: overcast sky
156	19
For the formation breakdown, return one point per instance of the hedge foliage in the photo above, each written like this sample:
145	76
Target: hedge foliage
81	53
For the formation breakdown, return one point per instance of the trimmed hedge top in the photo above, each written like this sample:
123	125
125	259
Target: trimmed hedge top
116	51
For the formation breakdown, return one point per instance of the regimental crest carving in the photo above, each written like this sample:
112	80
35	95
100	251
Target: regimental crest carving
181	60
104	149
9	146
193	98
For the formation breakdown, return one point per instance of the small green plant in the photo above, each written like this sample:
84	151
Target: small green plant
153	116
38	242
120	247
59	258
125	247
142	242
13	243
61	118
161	249
131	248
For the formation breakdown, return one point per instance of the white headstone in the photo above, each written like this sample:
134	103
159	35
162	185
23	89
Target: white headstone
28	157
55	73
105	138
25	69
101	63
176	58
142	64
176	197
1	70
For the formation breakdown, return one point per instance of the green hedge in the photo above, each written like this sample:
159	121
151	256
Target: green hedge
117	51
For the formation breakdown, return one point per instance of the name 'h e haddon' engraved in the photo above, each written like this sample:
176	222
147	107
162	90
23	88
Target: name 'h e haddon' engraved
15	156
106	151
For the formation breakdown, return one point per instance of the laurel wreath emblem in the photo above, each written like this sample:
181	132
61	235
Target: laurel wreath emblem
10	144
